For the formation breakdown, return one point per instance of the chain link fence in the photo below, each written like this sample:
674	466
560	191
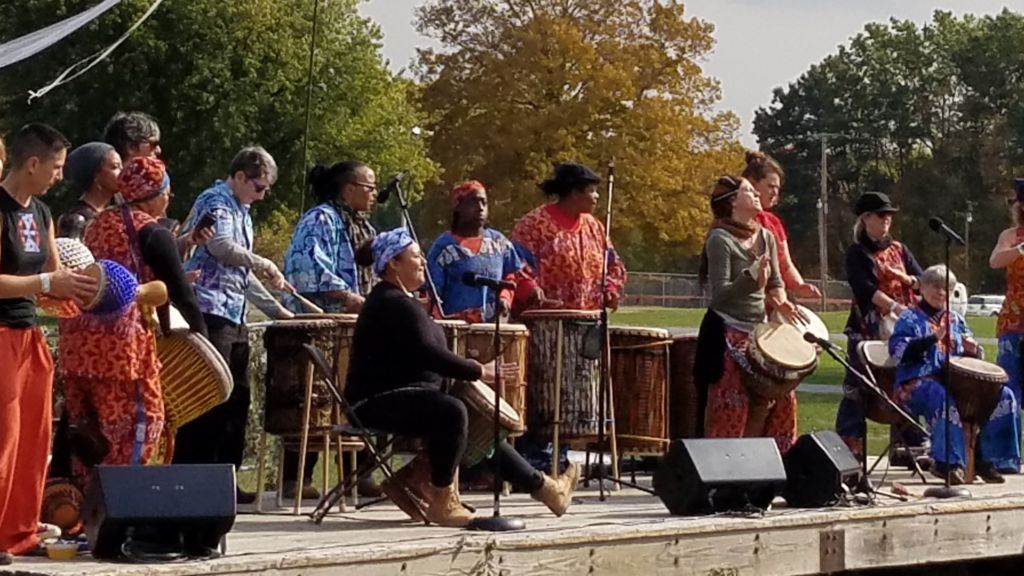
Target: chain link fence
649	289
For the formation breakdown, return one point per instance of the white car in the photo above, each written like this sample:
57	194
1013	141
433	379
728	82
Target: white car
984	305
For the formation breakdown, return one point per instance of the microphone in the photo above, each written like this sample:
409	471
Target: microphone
810	337
936	224
475	280
392	186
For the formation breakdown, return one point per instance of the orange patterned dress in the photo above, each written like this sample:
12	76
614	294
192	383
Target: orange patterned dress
563	255
110	365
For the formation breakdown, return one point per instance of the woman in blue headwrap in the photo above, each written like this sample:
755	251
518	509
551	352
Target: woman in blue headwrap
400	359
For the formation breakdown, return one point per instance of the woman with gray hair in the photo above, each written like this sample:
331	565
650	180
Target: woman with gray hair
883	275
918	345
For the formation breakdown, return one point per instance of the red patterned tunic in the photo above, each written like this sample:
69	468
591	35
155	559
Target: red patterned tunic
109	365
563	256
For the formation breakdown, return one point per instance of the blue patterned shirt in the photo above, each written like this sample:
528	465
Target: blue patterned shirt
321	259
915	324
221	288
449	260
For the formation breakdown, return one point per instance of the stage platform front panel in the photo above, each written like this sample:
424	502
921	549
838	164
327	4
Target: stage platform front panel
629	533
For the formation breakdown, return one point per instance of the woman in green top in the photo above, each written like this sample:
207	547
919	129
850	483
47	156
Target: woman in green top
740	264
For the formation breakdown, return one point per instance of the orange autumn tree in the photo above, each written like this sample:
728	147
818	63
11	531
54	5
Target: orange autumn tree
518	85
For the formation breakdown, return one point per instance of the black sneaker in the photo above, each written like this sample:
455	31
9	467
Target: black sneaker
990	475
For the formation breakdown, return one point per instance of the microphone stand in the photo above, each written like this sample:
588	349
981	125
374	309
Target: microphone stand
605	386
497	522
872	386
403	202
947	490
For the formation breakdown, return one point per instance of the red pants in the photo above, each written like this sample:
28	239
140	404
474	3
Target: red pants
729	405
26	387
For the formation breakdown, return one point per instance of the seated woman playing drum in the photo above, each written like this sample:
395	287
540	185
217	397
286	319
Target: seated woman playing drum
399	359
740	263
918	346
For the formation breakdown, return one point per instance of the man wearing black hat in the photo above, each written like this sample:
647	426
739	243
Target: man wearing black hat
884	277
562	246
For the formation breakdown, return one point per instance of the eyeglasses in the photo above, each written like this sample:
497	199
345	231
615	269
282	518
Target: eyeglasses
370	187
260	188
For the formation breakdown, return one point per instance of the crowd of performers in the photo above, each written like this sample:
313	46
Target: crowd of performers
557	256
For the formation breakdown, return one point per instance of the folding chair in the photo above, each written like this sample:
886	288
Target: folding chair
354	428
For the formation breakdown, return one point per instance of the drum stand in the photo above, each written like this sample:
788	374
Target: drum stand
868	383
947	490
497	522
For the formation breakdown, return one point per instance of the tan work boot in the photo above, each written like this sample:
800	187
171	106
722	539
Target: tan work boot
557	494
446	509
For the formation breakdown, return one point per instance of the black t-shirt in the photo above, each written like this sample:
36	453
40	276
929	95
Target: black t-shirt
24	250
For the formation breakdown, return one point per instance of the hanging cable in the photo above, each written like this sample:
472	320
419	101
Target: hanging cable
84	65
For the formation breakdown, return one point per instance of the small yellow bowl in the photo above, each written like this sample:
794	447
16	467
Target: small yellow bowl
62	551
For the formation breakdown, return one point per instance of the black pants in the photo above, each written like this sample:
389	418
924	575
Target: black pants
442	420
218	437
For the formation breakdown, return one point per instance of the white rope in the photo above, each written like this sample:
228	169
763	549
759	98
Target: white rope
31	44
74	71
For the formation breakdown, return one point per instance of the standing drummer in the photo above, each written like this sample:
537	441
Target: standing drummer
227	264
883	275
562	246
918	345
320	263
470	247
740	264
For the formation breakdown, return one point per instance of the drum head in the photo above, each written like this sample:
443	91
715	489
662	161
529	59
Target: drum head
560	314
814	324
876	354
480	397
340	318
300	325
979	369
485	328
640	331
451	323
784	345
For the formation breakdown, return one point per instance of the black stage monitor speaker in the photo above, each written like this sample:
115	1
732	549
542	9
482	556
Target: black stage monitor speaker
819	467
159	512
702	476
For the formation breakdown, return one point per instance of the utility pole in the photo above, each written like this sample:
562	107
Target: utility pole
822	206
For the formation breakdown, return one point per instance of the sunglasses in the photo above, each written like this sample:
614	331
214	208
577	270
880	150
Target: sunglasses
370	187
260	188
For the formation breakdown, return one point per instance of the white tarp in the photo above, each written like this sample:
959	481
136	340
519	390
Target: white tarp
21	48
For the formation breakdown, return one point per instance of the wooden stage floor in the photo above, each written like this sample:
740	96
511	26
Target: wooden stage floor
629	533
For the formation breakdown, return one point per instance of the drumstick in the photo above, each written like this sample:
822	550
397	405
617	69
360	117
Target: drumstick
302	300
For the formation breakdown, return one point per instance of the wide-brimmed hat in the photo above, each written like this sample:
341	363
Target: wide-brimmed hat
874	202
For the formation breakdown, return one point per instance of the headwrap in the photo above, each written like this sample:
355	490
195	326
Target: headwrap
465	189
84	162
387	245
1018	187
143	179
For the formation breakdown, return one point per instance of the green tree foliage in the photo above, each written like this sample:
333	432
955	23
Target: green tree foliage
521	84
221	75
929	114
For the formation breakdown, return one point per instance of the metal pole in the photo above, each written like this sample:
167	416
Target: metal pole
967	239
823	224
309	103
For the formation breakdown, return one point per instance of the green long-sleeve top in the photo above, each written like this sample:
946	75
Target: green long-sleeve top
732	275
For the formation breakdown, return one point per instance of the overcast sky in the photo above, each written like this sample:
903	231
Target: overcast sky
761	44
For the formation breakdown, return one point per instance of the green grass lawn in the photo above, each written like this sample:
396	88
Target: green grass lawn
691	317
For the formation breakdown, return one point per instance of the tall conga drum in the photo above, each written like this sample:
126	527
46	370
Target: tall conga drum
639	374
287	366
874	355
456	332
682	391
556	362
976	386
514	341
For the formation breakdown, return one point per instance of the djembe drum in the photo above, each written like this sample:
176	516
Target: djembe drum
564	377
195	378
777	360
683	401
976	386
479	400
513	342
874	355
639	370
345	327
287	369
